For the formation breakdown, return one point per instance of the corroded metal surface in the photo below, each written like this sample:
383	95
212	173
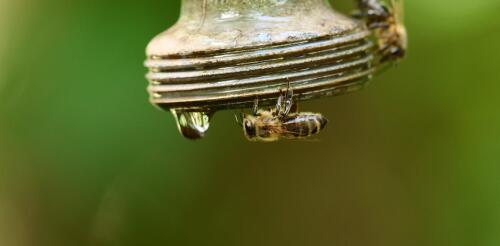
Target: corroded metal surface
225	53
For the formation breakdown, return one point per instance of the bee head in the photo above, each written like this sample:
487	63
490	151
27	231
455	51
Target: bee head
249	128
398	52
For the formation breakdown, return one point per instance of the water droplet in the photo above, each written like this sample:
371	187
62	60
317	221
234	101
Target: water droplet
192	125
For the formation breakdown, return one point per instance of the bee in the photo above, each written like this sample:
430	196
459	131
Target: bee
280	123
387	22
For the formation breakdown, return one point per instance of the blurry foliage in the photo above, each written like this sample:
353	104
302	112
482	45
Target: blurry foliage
85	160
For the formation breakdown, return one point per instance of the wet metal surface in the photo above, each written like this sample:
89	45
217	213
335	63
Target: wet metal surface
224	54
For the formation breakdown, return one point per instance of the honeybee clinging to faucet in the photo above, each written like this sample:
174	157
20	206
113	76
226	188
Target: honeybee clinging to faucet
387	22
282	122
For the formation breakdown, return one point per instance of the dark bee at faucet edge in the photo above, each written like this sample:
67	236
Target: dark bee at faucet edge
280	123
387	23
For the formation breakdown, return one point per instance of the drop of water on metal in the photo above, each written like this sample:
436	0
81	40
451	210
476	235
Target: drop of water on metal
192	125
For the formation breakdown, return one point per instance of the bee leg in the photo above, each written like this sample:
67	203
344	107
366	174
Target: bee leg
370	14
289	102
376	8
255	109
358	14
279	104
378	25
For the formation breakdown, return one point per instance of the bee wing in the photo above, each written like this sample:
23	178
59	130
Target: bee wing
398	9
282	131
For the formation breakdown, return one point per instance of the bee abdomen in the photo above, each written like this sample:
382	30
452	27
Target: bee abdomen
303	125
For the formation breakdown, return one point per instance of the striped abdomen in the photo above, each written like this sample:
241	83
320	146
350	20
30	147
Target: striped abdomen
302	125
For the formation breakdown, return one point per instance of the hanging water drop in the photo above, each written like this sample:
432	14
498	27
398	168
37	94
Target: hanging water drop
192	125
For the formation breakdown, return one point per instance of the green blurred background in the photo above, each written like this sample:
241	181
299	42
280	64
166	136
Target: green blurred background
414	159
